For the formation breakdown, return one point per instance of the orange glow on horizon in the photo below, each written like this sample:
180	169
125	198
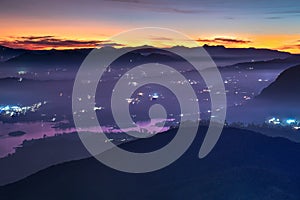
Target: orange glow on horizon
101	31
278	42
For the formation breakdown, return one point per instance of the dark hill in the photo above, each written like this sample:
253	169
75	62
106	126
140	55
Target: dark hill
224	56
7	53
52	58
273	64
285	88
243	165
64	58
281	99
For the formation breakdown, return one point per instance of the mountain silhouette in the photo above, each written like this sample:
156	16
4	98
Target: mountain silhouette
7	53
285	89
63	58
221	55
278	63
51	58
243	165
281	99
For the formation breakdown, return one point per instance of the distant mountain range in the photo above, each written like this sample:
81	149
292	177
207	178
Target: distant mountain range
7	53
243	165
278	63
222	56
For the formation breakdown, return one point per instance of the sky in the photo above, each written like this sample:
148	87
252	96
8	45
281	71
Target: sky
44	24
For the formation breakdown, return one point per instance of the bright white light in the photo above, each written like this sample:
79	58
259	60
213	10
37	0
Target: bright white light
15	110
274	121
98	108
290	121
155	96
129	100
22	72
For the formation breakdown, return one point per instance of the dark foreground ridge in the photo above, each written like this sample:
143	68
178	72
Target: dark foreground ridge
286	87
243	165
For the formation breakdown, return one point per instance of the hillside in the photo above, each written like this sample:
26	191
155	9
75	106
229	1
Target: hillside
285	89
243	165
8	53
221	55
273	64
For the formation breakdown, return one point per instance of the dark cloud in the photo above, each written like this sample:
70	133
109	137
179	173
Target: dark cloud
224	41
161	38
167	39
230	18
185	11
162	6
294	45
289	47
274	17
166	9
39	42
287	11
36	37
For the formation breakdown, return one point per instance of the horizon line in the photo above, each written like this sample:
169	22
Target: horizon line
122	47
